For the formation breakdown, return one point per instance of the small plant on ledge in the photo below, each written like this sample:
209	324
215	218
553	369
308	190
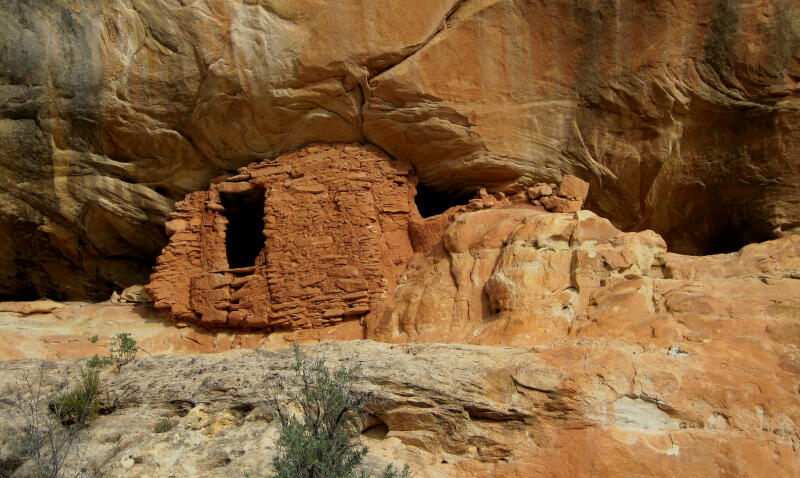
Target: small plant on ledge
315	443
122	350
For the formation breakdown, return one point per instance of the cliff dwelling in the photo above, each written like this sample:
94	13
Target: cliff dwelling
310	239
402	188
244	234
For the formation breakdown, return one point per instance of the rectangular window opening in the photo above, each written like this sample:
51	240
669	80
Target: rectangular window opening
244	237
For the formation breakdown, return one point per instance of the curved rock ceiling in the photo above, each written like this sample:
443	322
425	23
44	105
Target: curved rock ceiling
683	115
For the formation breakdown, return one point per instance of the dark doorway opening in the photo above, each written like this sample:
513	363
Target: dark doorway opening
244	237
431	202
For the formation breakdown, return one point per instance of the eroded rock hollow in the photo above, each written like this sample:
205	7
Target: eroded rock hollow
682	115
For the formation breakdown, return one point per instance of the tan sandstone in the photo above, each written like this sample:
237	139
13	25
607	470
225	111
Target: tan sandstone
64	333
520	276
617	358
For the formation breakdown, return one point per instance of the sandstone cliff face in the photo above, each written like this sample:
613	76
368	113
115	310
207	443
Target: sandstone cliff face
598	407
620	359
683	115
672	110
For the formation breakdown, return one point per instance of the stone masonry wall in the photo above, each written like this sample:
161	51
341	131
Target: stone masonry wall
335	242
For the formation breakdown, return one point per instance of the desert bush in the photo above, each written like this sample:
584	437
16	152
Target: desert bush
79	405
95	362
163	426
123	349
48	439
316	442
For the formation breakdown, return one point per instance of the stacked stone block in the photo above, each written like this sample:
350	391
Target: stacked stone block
335	242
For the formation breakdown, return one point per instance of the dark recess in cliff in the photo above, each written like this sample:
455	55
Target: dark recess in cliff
431	202
244	237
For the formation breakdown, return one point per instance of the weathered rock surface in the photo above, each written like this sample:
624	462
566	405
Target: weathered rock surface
630	361
51	330
672	110
113	110
596	407
682	115
518	276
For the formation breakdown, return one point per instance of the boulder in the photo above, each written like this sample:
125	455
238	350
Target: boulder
45	306
573	188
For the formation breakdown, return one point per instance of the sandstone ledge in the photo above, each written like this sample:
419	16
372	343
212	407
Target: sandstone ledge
64	334
598	407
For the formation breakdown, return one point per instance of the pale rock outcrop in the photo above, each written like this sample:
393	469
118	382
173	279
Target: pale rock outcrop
44	306
134	294
520	276
682	115
596	407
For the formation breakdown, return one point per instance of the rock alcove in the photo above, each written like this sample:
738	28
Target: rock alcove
431	202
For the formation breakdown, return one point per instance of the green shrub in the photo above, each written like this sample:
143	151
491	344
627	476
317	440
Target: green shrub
95	362
390	472
163	426
79	405
123	349
316	443
48	440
